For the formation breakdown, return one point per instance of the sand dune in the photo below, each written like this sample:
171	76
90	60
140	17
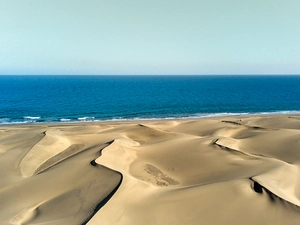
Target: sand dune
234	170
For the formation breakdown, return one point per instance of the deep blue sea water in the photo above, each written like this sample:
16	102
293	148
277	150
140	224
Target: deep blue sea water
46	99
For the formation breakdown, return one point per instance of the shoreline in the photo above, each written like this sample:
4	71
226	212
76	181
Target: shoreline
218	115
182	171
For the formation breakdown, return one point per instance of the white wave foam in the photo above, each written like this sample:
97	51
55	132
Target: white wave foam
208	115
280	112
13	122
65	120
87	118
32	117
4	120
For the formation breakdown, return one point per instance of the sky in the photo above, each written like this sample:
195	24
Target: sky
104	37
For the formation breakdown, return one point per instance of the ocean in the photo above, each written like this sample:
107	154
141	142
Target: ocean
65	99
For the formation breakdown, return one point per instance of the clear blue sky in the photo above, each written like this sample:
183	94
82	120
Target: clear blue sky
149	37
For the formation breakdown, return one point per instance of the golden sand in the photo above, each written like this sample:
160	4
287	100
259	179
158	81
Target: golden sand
213	171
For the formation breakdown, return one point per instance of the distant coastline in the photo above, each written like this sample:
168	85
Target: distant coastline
40	120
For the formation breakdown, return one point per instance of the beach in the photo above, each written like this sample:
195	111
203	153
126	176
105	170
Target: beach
222	170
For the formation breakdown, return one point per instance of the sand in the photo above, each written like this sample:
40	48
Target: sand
233	170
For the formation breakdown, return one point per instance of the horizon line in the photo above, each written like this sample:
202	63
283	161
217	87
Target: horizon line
152	74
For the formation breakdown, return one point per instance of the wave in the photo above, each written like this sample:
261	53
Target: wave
32	117
7	122
44	120
64	120
4	120
86	118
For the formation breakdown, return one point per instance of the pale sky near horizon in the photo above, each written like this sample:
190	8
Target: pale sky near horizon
149	37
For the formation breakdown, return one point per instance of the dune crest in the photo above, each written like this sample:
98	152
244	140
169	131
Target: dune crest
281	182
25	216
121	151
42	155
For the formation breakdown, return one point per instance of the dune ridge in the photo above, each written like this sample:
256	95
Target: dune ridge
234	170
